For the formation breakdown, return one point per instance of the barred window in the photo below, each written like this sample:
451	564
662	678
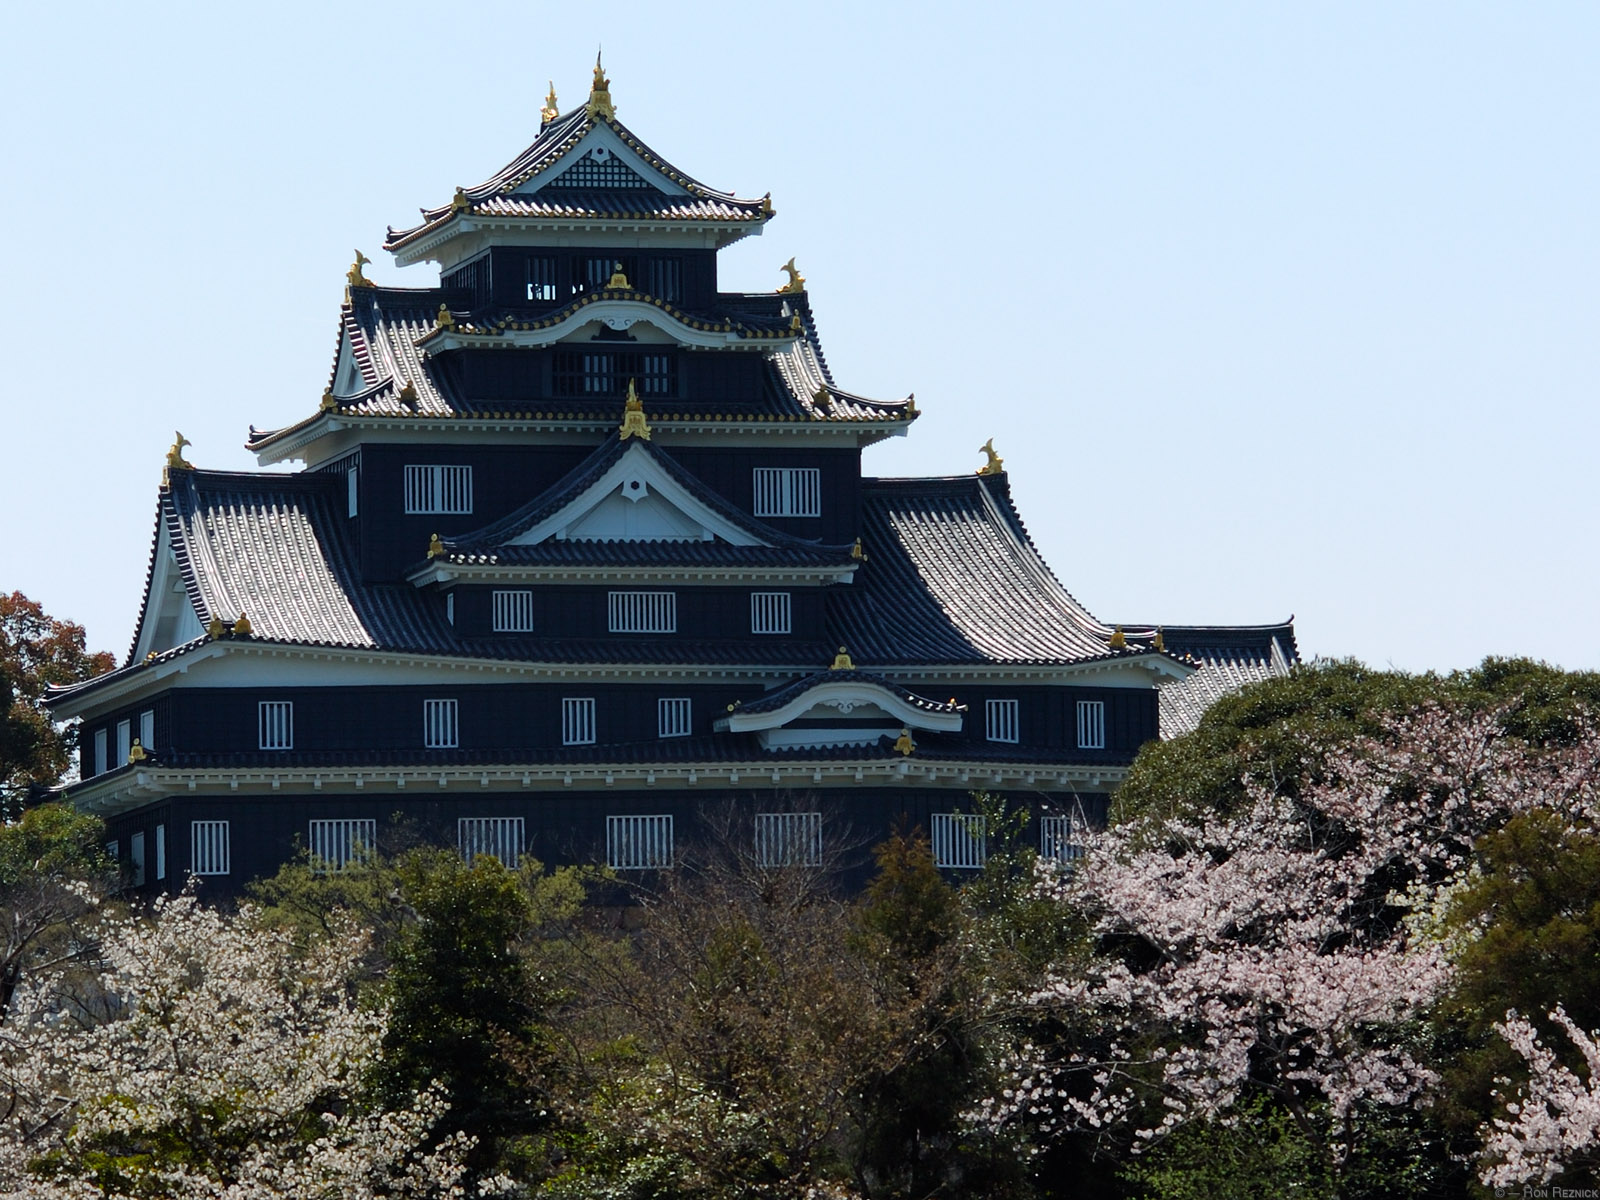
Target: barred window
100	751
147	730
541	279
1091	724
639	843
1001	720
513	611
440	728
341	842
788	492
673	717
666	279
607	372
643	612
208	847
500	836
352	492
789	839
124	741
960	841
769	612
438	489
276	719
136	858
577	721
1061	838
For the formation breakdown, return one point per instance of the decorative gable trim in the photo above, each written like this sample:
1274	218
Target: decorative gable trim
168	618
599	146
840	712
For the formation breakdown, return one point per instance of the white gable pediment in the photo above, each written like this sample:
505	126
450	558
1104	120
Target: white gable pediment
169	618
347	376
601	161
636	500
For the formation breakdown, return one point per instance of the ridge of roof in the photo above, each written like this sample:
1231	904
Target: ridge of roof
780	696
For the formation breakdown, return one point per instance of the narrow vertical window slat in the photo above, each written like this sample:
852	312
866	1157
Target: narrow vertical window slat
276	724
161	851
341	842
208	848
639	843
100	752
438	489
642	612
770	612
440	724
502	837
513	611
789	839
1001	720
674	717
577	721
788	491
960	841
1091	724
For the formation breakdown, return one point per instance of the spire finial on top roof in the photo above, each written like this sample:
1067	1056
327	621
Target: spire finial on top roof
797	281
600	94
175	459
549	112
633	422
353	277
996	465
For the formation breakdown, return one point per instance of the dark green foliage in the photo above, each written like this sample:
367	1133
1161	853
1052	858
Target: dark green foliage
1264	1155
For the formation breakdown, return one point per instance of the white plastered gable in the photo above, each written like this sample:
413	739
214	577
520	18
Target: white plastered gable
347	376
636	500
169	618
865	712
601	146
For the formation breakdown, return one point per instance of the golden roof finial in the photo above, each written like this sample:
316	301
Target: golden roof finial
766	205
857	553
633	422
903	743
996	465
1161	640
1119	640
408	394
175	458
841	661
600	94
549	112
241	626
354	278
136	752
435	546
911	406
459	202
618	279
329	401
822	400
444	320
214	627
797	281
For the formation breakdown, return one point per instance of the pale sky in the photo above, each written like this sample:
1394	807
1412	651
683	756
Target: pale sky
1269	308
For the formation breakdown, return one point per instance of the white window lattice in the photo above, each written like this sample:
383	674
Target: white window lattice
161	851
643	612
674	717
513	612
1091	724
788	492
124	741
276	724
499	836
353	488
441	727
342	841
577	721
438	489
1061	838
770	612
147	730
639	843
1000	718
960	841
208	847
100	752
789	839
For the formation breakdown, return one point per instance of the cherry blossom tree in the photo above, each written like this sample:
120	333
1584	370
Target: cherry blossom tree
209	1058
1554	1123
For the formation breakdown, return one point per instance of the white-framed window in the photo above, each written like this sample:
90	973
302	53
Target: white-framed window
147	730
441	727
276	721
1061	838
124	740
788	492
1091	724
960	841
577	721
208	847
499	836
789	839
643	612
769	612
639	843
339	842
1000	720
674	717
136	858
437	489
513	611
161	851
353	489
100	752
450	607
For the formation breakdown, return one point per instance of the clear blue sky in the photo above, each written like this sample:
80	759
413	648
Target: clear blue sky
1269	308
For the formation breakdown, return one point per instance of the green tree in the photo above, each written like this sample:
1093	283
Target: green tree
36	651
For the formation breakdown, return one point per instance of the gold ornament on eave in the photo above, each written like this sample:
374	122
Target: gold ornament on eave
549	112
996	465
633	421
842	661
175	459
600	94
353	277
